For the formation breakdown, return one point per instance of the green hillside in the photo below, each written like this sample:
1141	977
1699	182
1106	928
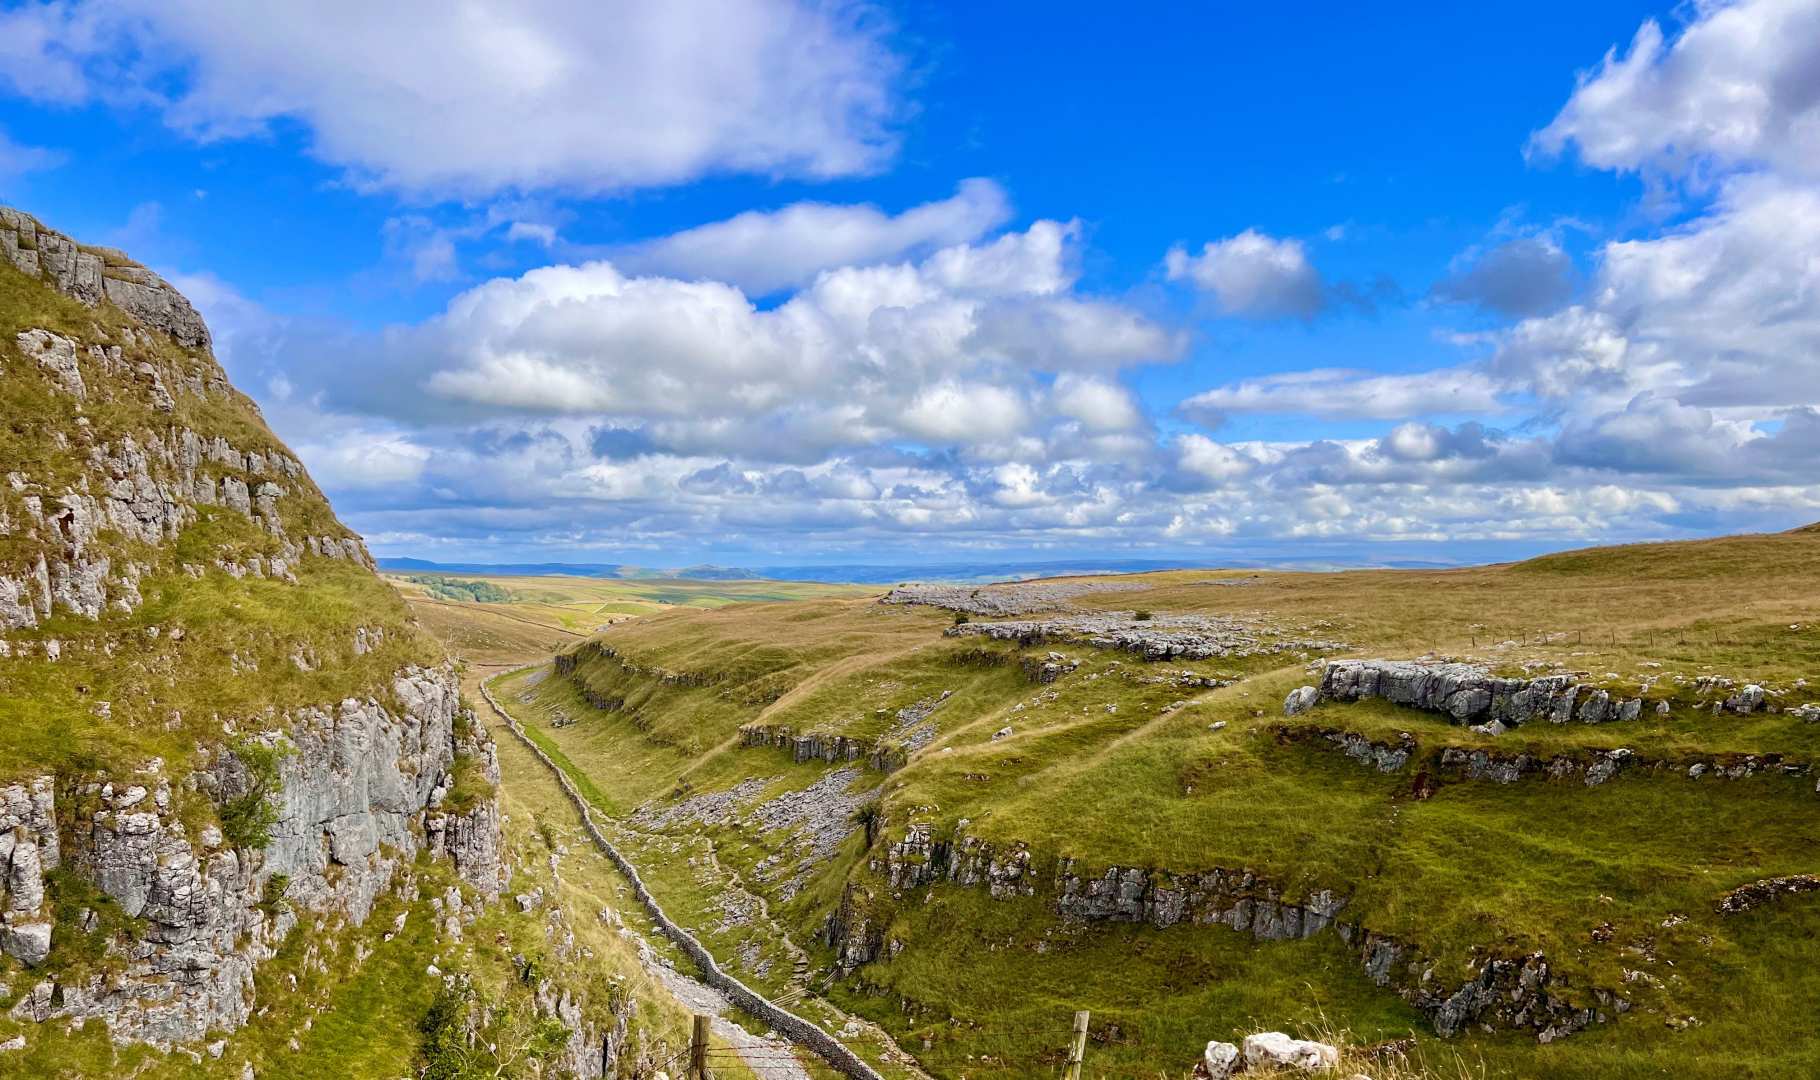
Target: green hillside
935	807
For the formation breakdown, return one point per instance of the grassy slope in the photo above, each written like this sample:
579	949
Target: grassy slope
120	694
584	604
1539	864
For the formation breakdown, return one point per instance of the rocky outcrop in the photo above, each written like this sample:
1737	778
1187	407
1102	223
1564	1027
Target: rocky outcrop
1592	767
1236	898
567	663
1521	993
150	476
1748	897
28	848
998	601
825	746
356	784
1467	694
469	836
91	275
1383	756
1160	637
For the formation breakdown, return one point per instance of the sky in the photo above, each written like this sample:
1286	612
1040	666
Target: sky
773	282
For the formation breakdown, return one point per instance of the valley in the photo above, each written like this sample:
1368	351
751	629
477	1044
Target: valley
936	812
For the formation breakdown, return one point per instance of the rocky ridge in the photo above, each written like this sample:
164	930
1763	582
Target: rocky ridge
131	468
1161	637
1512	992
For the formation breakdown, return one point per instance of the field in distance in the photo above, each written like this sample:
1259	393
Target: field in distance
502	619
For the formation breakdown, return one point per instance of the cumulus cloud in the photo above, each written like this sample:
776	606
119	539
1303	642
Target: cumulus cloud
1525	276
763	252
1252	275
1741	84
468	100
1098	404
944	350
1720	311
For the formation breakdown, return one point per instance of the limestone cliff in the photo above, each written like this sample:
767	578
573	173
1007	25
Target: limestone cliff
215	719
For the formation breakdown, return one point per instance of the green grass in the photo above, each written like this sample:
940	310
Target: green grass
1156	997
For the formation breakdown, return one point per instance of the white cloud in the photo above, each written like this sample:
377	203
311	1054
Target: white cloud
952	412
1210	460
470	100
1724	310
1098	404
1741	84
762	252
1339	393
1252	274
365	461
939	350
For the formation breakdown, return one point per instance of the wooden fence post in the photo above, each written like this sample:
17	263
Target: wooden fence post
1077	1051
698	1049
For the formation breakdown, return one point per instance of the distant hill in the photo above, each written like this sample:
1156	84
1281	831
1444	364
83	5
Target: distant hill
875	573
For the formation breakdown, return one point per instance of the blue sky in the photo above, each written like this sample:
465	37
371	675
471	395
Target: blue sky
756	282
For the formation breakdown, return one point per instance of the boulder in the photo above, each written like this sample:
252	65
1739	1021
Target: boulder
1219	1061
29	942
1277	1050
1746	701
1300	700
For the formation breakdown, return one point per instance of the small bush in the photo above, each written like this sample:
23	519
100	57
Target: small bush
271	901
1141	616
247	819
960	618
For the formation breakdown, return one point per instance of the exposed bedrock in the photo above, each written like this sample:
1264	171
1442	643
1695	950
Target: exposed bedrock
825	746
1512	992
1467	694
359	784
1592	766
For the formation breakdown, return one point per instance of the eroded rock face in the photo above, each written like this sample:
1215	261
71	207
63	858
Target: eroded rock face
92	275
355	804
1022	598
359	780
28	848
1161	637
1470	695
1512	993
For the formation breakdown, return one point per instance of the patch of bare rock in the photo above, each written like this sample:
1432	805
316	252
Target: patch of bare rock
998	601
1161	637
1266	1050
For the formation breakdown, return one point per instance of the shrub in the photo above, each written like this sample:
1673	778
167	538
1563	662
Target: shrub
247	819
1141	616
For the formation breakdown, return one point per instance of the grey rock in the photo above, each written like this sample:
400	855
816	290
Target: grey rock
1300	700
1747	700
1471	695
29	942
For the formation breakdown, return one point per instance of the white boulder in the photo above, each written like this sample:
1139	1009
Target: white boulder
1275	1049
1220	1060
